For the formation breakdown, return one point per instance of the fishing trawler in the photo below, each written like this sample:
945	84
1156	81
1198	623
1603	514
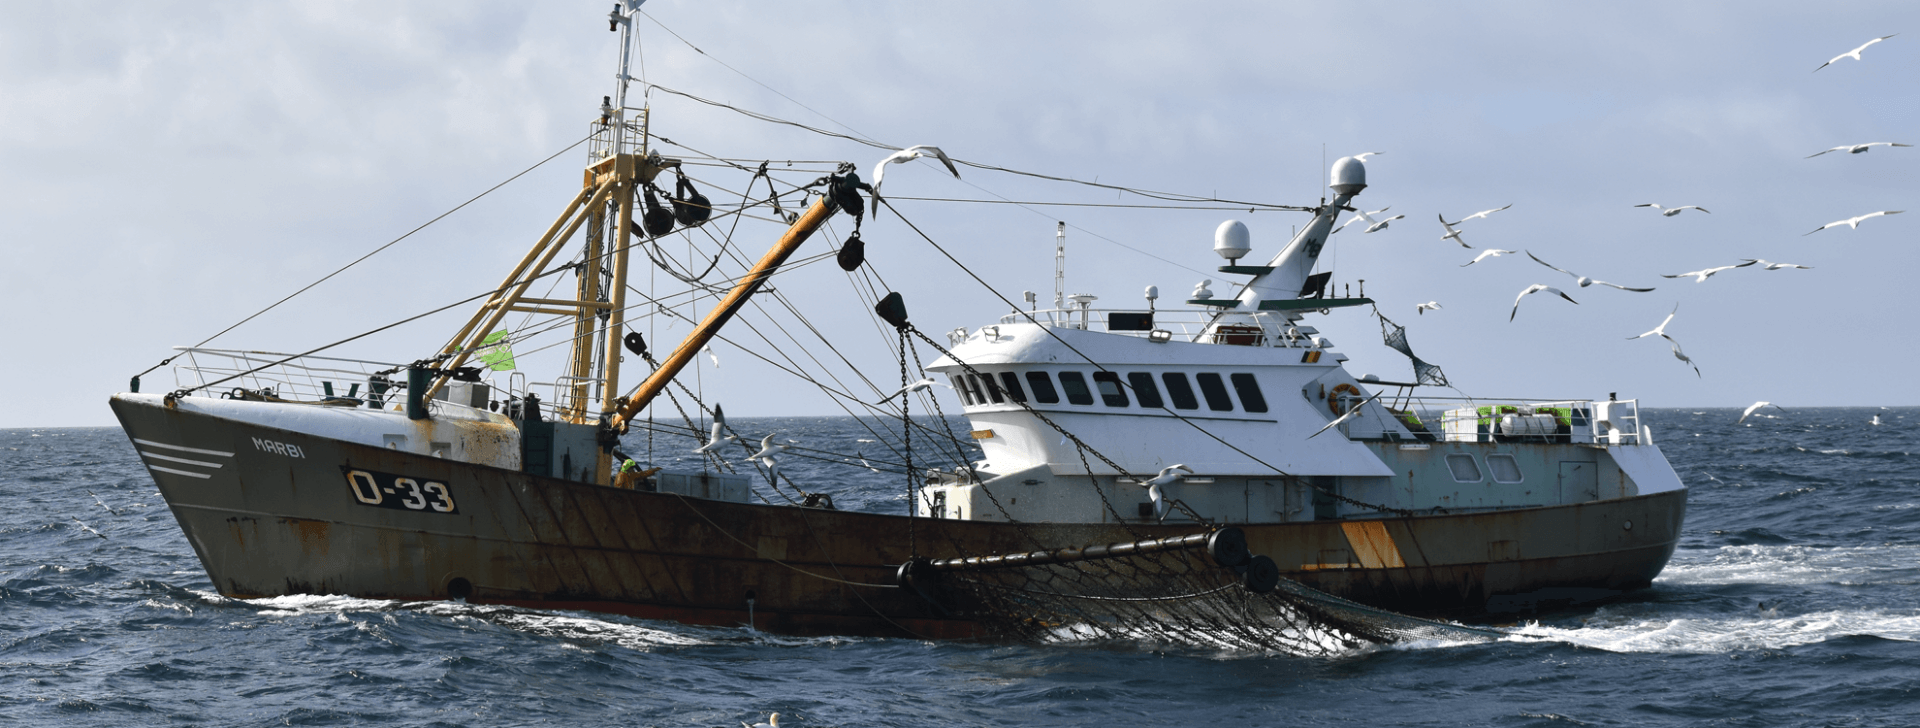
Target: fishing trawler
1135	462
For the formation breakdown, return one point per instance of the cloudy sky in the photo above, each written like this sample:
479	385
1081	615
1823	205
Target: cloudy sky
167	169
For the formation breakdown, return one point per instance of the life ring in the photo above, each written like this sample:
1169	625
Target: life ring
1334	397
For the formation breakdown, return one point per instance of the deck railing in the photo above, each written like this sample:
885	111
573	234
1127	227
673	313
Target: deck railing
1261	328
313	379
1460	419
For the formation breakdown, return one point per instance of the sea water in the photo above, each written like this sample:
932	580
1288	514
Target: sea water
1793	600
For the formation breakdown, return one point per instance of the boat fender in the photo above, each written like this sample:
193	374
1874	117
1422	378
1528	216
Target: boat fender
636	344
1337	403
852	253
893	309
1228	547
655	221
1263	575
689	206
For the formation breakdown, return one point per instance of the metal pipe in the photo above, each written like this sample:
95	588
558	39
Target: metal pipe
750	283
1073	553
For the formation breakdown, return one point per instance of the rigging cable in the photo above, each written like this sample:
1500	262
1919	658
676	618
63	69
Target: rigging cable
376	251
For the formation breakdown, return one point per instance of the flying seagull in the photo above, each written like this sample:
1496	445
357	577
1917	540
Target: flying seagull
1701	276
1770	265
1583	280
1363	156
1756	406
1661	330
1373	224
907	155
710	355
914	387
1452	234
768	448
1682	356
863	461
1671	211
1488	253
1855	53
1854	222
1536	288
1167	476
103	504
1422	308
1351	411
87	528
1481	214
1858	148
715	440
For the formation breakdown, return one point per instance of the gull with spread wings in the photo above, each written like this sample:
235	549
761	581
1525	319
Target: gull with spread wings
1584	281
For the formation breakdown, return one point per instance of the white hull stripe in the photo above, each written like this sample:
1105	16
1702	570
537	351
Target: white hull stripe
181	460
220	453
179	472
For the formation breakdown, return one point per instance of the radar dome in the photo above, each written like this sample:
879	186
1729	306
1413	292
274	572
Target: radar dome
1349	176
1231	240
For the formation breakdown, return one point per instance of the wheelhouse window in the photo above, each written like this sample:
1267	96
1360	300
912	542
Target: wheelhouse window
1215	392
960	388
1011	382
1504	468
1249	391
993	390
1464	469
1042	385
1144	390
1076	385
1180	391
1110	391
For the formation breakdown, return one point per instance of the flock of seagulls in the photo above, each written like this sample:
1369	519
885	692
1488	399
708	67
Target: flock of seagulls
1454	231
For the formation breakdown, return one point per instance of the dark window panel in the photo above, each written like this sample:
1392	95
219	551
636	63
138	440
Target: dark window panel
1180	391
1249	391
1143	390
1110	391
1215	392
1042	386
1012	383
1075	384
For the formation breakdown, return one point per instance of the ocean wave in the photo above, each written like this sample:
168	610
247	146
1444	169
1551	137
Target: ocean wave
1791	564
1765	630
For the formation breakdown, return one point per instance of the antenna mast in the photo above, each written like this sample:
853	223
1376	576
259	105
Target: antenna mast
1060	265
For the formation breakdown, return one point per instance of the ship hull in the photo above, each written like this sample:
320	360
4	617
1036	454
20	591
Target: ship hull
272	512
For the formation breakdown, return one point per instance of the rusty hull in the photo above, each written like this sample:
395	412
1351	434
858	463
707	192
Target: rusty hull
268	524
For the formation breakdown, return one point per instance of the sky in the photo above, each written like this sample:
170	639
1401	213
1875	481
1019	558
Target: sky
169	168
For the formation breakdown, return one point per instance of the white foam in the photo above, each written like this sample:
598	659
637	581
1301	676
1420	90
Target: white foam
1791	564
1711	635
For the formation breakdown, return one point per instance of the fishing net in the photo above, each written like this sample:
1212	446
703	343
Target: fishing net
1395	336
1170	591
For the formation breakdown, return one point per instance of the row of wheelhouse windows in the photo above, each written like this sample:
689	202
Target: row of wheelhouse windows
1214	390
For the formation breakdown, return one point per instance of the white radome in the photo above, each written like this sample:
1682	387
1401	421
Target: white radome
1349	176
1232	240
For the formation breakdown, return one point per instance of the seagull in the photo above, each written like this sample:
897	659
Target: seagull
1167	476
1854	222
1858	148
715	440
1372	223
1875	420
1363	156
1583	280
1488	253
710	355
1351	411
1481	214
914	387
1661	330
1756	406
1682	356
1671	211
1452	234
773	469
768	448
1701	276
1536	288
773	721
907	155
863	461
87	528
103	504
1770	265
1422	308
1855	53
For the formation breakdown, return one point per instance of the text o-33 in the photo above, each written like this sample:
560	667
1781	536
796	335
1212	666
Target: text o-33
399	492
